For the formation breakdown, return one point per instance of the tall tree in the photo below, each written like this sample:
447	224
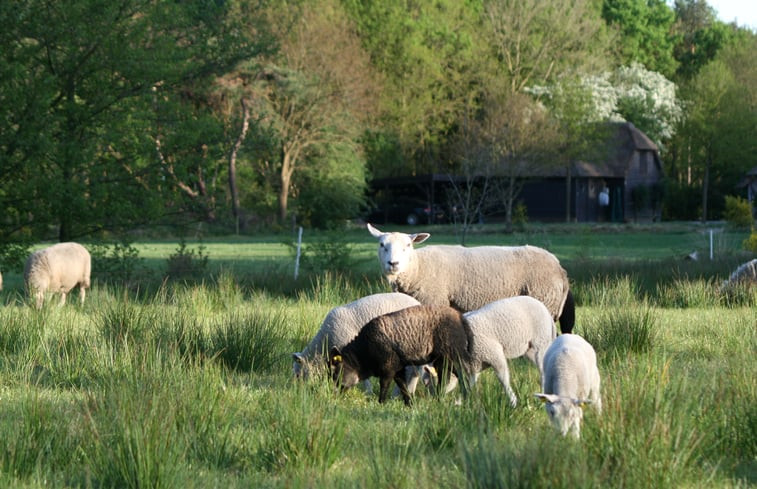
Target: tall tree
699	36
317	92
717	137
645	29
77	152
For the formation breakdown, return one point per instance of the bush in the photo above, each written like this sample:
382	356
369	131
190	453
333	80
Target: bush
750	244
187	263
119	262
738	212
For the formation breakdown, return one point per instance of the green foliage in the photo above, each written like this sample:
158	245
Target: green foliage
622	330
187	263
750	244
328	252
119	262
645	32
738	212
13	255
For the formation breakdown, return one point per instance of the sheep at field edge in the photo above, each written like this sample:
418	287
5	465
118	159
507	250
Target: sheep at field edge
570	381
469	278
342	324
417	335
745	273
508	328
57	269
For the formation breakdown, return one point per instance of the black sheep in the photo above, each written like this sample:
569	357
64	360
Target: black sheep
417	335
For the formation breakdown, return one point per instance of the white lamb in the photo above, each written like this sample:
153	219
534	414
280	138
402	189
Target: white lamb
58	269
469	278
570	381
342	324
508	328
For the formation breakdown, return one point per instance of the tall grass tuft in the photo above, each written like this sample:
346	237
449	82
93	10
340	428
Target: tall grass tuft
249	341
648	434
122	322
303	429
621	330
684	293
132	428
606	291
536	459
34	436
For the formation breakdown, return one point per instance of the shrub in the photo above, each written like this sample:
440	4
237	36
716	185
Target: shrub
750	244
119	262
738	212
187	263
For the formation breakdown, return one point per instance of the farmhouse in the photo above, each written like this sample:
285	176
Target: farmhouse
623	184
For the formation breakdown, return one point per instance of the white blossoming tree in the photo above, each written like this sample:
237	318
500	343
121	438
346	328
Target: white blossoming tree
630	93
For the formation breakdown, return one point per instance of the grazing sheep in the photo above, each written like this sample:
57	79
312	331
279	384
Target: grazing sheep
469	278
745	273
570	381
508	328
417	335
342	324
58	268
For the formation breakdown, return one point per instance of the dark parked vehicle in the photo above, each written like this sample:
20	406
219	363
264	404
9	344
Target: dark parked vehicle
410	212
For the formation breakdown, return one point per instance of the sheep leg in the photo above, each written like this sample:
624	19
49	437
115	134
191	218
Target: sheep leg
503	374
412	376
62	298
384	383
399	379
82	293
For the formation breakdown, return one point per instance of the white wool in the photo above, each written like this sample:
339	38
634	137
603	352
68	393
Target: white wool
505	329
470	278
343	323
570	381
58	269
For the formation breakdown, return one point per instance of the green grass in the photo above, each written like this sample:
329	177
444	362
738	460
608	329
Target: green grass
188	383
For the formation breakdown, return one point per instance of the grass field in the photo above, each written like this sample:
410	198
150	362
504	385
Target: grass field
186	382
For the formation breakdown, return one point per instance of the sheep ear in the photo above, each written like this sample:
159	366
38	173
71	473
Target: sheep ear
419	237
374	232
545	398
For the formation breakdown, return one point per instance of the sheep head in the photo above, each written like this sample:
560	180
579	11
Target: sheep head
565	413
396	252
343	373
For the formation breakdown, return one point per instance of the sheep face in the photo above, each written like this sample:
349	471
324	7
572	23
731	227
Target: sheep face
300	366
343	374
565	413
396	250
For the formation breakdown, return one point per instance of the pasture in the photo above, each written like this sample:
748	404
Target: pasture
186	381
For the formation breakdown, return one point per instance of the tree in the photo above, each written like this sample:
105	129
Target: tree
645	29
430	56
316	93
699	36
78	150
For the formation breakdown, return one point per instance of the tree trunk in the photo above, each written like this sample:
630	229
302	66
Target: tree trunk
287	168
233	162
706	183
567	192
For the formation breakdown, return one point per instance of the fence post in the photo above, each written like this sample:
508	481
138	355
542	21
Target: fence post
297	259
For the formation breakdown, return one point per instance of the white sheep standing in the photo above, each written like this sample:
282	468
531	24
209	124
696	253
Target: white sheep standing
570	381
58	269
745	273
342	324
469	278
508	328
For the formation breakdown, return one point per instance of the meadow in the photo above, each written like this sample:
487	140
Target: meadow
176	372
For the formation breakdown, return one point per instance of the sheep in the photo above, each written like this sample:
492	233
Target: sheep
746	273
469	278
1	281
508	328
342	324
570	381
58	268
417	335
